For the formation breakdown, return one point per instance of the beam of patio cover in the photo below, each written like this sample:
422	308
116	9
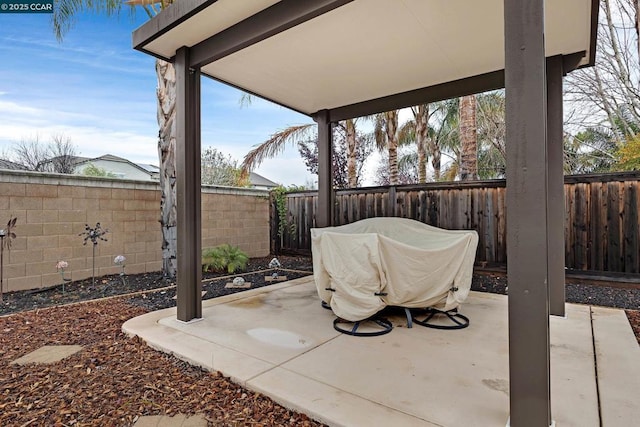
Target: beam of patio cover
454	89
163	22
529	374
324	213
275	19
189	244
555	186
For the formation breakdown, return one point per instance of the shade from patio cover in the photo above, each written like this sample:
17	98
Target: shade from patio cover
360	268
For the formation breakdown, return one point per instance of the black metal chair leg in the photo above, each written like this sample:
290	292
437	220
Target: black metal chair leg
353	331
459	321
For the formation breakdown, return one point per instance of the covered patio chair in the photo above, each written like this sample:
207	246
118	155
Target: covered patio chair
363	267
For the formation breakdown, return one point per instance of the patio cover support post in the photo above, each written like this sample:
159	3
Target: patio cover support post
555	187
526	118
324	213
189	244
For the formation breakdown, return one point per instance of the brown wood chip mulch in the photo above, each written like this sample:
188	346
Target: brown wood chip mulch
634	319
114	379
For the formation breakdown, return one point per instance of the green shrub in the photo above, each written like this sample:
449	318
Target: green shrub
224	257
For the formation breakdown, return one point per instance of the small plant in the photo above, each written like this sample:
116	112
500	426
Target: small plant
94	234
284	224
120	260
225	258
60	266
6	237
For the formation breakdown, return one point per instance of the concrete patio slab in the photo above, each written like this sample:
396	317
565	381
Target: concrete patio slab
618	356
279	341
573	382
48	354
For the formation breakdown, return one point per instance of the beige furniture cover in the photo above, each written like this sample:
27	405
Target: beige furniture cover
377	262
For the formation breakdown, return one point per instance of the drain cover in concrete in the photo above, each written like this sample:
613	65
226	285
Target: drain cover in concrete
175	421
48	354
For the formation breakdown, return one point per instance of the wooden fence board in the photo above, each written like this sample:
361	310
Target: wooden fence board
568	225
422	215
595	222
613	220
487	216
630	232
581	221
602	230
501	229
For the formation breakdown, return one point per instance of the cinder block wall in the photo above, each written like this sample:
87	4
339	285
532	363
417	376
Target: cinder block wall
52	211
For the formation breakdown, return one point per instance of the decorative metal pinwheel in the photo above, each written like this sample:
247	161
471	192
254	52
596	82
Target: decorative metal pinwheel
6	237
94	234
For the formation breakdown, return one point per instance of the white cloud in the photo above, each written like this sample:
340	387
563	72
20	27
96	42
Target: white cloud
8	108
99	92
286	171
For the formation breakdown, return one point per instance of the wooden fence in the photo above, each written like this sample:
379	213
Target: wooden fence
601	220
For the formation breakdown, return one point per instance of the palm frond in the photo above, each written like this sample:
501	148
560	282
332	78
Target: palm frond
451	172
277	143
408	160
407	133
246	99
379	124
64	13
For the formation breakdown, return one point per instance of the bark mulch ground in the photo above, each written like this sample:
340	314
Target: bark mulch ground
116	379
634	319
161	290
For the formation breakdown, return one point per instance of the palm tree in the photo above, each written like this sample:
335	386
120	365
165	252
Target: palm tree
468	138
421	117
415	131
298	134
63	18
445	135
276	144
491	134
407	168
350	131
387	136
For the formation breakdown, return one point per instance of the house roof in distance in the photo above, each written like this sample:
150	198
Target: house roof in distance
8	164
260	181
147	168
255	179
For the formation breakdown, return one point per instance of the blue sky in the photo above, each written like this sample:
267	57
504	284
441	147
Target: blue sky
94	88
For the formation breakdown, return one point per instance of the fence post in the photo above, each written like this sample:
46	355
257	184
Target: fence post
393	201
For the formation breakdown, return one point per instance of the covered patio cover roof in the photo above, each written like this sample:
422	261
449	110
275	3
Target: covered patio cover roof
341	59
338	54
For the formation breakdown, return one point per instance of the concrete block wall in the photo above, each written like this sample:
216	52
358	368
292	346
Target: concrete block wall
52	211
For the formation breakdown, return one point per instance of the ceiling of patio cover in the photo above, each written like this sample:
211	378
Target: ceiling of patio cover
364	49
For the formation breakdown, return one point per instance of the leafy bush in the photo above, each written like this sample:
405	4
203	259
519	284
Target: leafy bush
224	257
